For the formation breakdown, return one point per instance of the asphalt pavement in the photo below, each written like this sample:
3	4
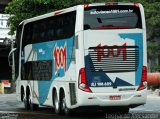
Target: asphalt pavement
10	108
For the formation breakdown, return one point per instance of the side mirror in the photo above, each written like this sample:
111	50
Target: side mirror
10	58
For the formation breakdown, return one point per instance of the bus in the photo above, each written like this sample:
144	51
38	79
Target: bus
90	56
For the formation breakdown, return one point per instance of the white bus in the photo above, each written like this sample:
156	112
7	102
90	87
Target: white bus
90	56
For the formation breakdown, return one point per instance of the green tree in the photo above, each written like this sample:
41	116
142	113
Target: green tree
24	9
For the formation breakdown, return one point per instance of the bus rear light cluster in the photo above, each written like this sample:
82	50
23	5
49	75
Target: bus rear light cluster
136	4
85	6
144	73
83	81
143	84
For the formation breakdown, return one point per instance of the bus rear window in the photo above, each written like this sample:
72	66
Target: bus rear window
112	17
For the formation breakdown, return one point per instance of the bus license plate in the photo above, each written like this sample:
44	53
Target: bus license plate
117	97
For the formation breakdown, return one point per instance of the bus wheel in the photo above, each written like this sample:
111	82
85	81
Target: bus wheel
33	106
64	107
56	103
26	102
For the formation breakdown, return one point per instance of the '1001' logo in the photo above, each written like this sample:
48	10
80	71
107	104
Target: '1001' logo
111	52
60	58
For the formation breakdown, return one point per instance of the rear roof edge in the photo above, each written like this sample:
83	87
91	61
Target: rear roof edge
103	4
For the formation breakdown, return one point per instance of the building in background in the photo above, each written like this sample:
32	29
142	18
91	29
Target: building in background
5	47
3	4
4	27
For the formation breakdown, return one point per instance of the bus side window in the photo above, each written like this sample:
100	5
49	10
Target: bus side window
43	35
27	36
54	28
59	28
51	29
66	26
35	33
69	22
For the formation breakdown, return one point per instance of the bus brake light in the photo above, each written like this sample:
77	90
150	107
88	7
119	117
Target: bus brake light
136	4
144	73
82	81
85	6
144	79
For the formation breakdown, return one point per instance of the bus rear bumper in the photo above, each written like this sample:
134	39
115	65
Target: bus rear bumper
130	99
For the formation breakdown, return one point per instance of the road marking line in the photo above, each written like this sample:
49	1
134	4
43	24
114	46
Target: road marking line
27	113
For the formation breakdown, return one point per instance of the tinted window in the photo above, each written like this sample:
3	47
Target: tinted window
37	70
112	17
18	38
18	35
27	35
54	28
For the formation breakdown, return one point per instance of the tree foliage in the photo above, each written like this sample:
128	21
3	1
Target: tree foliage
23	9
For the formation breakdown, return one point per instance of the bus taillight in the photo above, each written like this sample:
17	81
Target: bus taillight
85	6
144	79
144	74
83	81
136	4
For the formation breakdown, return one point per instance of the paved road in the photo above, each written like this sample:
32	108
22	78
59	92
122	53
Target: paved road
10	108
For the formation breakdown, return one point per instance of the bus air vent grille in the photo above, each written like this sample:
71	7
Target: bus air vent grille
113	59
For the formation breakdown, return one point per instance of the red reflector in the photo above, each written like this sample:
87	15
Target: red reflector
144	74
141	87
57	13
143	79
136	4
85	5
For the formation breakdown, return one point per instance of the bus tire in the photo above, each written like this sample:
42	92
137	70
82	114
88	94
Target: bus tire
26	103
56	103
64	107
32	106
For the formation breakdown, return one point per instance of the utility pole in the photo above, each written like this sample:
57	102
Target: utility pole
13	66
13	62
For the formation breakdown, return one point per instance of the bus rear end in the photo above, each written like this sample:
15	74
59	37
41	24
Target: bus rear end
115	66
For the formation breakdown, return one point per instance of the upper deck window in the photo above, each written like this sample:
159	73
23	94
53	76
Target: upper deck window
112	17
